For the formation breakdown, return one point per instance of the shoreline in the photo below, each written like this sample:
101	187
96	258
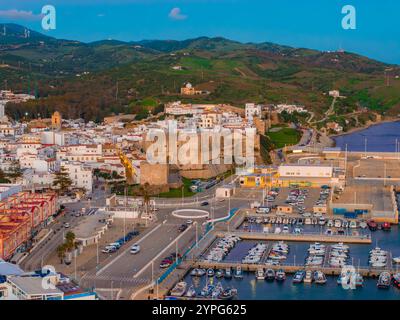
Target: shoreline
367	126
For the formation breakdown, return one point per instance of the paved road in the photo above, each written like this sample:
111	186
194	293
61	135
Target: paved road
38	255
129	272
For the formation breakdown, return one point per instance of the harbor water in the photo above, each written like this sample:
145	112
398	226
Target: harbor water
251	289
378	138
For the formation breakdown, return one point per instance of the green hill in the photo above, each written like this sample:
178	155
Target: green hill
72	76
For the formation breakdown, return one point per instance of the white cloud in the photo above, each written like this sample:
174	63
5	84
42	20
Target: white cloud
101	15
176	14
14	14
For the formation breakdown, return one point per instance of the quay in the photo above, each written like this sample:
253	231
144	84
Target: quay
310	237
329	271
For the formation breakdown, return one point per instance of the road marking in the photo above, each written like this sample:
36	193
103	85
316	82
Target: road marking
123	253
162	252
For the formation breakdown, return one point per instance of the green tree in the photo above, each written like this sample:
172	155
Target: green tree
3	178
62	181
61	249
145	193
70	240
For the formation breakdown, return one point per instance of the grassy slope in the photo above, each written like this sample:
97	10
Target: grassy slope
285	136
238	73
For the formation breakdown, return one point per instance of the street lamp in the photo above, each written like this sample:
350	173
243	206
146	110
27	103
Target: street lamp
365	146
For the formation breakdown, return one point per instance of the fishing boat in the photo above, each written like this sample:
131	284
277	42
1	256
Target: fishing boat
191	293
238	273
396	280
338	223
372	225
179	289
270	275
363	225
198	272
319	277
308	221
396	260
280	275
260	274
228	294
219	273
210	272
218	289
340	246
359	280
386	226
344	278
207	290
353	224
308	277
228	273
299	276
384	280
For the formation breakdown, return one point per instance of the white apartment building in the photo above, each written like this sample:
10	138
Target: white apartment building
252	110
50	137
80	175
209	120
84	153
290	108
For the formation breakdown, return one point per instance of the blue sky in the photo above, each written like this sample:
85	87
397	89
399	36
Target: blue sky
307	23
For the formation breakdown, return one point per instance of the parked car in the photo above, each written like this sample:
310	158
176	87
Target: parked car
116	245
165	263
66	225
109	250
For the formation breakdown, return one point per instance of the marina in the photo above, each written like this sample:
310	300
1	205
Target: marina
274	268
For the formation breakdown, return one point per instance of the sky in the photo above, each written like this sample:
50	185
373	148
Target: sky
315	24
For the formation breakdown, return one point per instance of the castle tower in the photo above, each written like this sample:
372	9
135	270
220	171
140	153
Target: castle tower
56	120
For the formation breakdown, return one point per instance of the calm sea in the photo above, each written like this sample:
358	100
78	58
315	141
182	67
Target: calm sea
378	138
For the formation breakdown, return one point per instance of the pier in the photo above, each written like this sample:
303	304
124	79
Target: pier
365	272
310	237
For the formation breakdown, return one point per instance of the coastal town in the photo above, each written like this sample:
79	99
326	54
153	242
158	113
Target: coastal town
254	159
83	198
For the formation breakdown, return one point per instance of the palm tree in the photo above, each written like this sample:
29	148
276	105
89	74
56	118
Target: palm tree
70	240
61	249
145	193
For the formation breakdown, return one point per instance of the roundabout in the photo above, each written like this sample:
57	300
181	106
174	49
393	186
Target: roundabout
191	214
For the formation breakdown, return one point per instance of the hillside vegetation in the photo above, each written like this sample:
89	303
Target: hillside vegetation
109	77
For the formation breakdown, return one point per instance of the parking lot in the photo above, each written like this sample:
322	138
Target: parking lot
377	168
303	199
377	196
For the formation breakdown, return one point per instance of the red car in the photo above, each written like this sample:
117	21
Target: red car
165	264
